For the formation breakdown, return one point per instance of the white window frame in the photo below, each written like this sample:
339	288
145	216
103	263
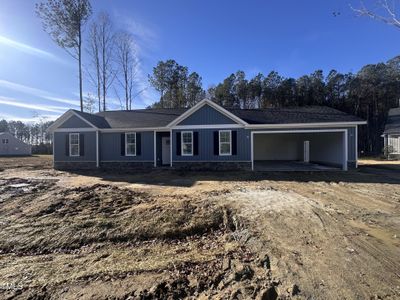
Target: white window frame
126	144
70	144
230	142
182	143
5	141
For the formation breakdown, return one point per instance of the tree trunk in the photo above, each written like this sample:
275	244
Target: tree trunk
80	67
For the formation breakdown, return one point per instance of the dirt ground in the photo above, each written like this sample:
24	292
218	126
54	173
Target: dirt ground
172	235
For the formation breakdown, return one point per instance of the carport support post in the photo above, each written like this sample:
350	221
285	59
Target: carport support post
155	148
97	150
345	150
252	150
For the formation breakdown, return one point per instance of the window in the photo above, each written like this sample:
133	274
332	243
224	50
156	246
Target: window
130	144
74	144
187	143
225	142
5	141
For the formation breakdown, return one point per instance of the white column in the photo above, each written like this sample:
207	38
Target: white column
345	149
155	148
252	150
170	152
97	150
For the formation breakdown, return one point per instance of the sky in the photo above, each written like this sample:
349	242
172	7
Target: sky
39	80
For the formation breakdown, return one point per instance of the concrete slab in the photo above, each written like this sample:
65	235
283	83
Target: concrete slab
290	166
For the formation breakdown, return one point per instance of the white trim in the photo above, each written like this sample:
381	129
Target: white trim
53	149
191	133
75	129
97	150
155	148
64	118
75	161
230	143
345	141
216	126
200	105
346	150
211	161
356	145
79	144
170	143
136	129
305	125
126	144
127	161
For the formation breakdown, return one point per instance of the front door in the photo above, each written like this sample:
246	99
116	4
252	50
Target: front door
166	150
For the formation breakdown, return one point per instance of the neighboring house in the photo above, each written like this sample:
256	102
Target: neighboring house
392	133
10	145
205	136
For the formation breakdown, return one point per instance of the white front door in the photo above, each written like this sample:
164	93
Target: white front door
166	150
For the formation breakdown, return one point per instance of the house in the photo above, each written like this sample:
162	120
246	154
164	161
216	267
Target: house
391	134
205	136
11	146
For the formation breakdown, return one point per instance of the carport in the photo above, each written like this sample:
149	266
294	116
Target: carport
301	150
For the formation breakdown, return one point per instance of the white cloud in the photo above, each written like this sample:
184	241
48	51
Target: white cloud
42	107
35	92
28	49
33	119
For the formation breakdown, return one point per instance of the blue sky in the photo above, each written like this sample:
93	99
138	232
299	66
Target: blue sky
213	38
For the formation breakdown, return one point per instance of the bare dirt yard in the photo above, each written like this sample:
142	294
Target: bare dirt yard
172	235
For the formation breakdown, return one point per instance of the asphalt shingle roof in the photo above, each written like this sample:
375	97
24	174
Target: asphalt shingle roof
161	117
393	121
304	114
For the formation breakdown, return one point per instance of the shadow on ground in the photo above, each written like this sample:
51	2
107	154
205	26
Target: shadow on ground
364	174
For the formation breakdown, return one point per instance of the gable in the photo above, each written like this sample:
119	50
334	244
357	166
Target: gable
74	122
207	115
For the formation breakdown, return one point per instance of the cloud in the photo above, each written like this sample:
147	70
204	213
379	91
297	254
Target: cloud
35	92
28	49
42	107
45	117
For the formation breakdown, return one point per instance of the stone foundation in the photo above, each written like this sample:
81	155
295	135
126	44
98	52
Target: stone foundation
212	166
74	165
126	165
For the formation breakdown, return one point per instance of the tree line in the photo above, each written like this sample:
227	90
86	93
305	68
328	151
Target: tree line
31	133
368	94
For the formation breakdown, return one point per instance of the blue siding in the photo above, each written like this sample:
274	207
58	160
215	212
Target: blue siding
74	122
89	146
206	115
206	146
110	147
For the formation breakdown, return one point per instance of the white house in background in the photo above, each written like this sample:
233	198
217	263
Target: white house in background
10	145
392	132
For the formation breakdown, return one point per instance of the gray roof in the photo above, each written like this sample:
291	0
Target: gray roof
393	121
304	114
141	118
161	117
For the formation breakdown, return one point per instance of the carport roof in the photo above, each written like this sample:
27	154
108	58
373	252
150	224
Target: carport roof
305	114
393	121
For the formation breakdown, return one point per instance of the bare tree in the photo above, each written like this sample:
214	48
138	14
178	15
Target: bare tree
127	62
89	103
384	11
65	20
94	53
101	50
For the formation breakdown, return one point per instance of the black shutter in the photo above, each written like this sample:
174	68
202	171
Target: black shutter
138	144
195	143
67	145
234	142
216	143
122	144
178	143
81	145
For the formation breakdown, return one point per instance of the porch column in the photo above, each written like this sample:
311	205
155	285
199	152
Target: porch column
155	148
97	150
